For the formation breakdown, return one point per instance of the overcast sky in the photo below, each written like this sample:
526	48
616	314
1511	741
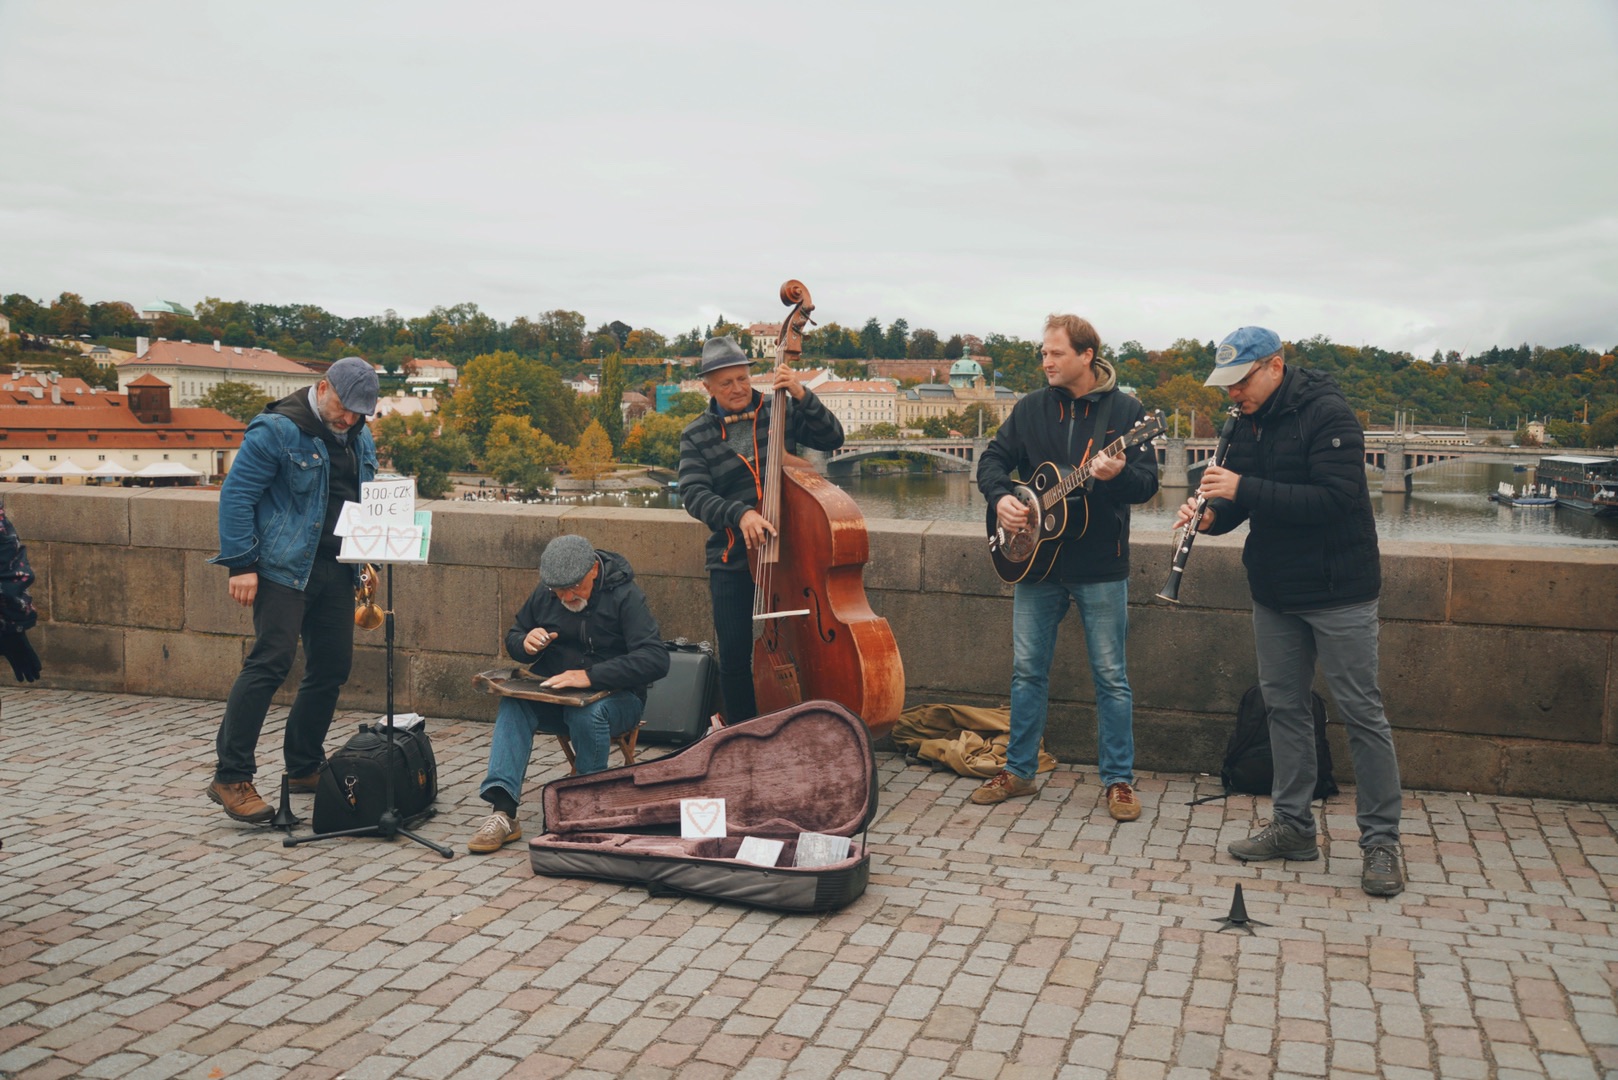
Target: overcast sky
1409	174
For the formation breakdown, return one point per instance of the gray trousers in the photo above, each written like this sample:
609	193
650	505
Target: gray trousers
1344	640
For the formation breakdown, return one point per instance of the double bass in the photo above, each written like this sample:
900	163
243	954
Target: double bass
816	635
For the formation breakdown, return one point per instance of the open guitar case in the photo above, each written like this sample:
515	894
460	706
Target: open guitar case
807	768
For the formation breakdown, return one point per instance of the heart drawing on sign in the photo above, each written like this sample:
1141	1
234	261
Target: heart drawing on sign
369	540
403	542
703	815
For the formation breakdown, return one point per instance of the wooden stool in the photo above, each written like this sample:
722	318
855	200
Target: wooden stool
626	743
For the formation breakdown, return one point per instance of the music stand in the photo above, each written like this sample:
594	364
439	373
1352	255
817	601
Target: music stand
391	823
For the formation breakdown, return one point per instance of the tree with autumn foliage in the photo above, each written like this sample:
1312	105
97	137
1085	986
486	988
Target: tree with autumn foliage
593	456
518	455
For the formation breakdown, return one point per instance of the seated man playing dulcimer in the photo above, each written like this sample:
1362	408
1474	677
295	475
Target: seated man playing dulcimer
586	627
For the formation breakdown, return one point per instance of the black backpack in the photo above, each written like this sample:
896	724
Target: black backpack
351	790
1248	766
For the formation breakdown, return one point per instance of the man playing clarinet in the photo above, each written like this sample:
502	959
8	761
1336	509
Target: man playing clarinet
1296	474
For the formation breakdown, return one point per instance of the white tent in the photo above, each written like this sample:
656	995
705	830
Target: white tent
67	468
23	468
158	469
111	469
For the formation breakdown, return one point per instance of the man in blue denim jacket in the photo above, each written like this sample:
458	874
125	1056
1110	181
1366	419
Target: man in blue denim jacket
302	458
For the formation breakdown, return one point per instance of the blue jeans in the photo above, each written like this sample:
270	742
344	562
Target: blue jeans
1037	610
1344	640
591	728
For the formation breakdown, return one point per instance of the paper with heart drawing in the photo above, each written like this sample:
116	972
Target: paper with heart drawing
381	543
702	819
759	851
347	519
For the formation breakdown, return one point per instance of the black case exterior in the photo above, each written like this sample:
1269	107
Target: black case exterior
808	768
678	705
359	770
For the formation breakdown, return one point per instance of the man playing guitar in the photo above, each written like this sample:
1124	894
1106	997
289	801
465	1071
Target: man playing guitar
1066	424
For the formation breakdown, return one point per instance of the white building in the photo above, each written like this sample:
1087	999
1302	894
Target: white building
193	369
859	405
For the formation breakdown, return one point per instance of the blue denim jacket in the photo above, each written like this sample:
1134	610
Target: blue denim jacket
273	502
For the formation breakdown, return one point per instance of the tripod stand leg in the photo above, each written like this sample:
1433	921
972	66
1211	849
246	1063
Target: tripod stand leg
424	842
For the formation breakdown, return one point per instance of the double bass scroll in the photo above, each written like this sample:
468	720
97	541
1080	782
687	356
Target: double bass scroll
820	638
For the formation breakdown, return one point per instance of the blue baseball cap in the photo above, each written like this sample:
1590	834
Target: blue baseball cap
1239	352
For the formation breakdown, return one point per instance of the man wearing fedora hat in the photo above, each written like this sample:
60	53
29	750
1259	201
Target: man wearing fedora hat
1295	472
301	459
722	466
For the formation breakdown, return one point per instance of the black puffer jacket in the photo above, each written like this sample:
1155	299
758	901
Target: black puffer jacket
1312	535
614	638
1052	425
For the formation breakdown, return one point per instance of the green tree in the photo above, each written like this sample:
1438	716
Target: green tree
504	384
593	455
924	346
655	439
609	411
70	315
1604	430
882	430
1187	394
686	404
896	340
415	446
1567	432
239	400
519	456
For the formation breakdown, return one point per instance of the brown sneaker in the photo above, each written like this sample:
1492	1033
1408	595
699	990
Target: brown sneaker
494	834
304	785
1002	786
1121	802
241	801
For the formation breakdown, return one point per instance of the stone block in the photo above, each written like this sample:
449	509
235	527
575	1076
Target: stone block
1189	659
71	515
185	665
896	554
79	657
442	686
447	608
1415	581
680	605
1563	587
664	543
208	606
1175	742
1432	760
1534	684
1542	770
112	585
492	534
178	518
39	560
955	560
963	647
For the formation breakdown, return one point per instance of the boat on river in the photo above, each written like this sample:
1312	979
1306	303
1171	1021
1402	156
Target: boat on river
1531	495
1582	483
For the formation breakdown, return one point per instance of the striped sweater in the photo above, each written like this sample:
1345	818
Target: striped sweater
718	482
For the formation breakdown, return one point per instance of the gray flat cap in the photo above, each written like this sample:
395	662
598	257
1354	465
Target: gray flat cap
565	561
722	352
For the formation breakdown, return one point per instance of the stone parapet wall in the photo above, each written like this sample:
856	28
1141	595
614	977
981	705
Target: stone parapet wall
1499	664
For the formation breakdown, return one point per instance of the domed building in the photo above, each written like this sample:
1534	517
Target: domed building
965	372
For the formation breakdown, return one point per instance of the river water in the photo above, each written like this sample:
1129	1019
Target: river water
1448	504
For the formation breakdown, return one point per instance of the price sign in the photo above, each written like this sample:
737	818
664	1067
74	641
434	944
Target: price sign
387	502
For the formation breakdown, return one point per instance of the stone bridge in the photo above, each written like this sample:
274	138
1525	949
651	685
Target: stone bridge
1499	664
1180	458
955	455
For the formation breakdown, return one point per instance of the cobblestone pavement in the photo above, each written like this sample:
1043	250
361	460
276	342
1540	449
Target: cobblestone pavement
143	934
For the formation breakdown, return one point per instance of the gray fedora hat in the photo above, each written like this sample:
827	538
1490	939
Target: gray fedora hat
722	352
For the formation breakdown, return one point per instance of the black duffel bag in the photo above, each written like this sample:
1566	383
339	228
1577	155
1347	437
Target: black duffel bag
351	789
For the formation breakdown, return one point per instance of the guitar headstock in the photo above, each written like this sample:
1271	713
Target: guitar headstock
1145	430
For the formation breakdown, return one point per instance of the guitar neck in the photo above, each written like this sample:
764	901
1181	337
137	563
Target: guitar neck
1082	473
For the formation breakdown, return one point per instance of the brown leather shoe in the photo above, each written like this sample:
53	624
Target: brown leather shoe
303	785
241	801
1121	802
1001	786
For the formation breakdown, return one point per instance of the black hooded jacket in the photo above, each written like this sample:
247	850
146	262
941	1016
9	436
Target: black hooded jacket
1311	542
343	484
614	638
1052	425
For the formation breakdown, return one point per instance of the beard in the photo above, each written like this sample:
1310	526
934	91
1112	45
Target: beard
574	606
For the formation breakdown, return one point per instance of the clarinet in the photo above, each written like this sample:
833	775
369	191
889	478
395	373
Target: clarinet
1188	535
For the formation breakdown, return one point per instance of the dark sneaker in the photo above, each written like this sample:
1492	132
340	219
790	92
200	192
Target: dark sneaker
1002	786
304	785
1121	802
494	834
241	801
1382	875
1277	840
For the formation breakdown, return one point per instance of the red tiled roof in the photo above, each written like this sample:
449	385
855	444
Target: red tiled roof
149	379
199	356
29	426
